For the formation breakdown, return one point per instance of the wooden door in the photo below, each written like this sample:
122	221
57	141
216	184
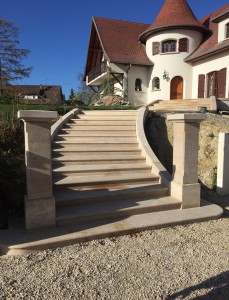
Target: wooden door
176	89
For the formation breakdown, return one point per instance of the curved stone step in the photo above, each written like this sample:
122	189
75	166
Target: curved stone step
103	122
91	144
88	170
95	139
113	210
97	133
71	197
104	127
107	117
98	159
101	179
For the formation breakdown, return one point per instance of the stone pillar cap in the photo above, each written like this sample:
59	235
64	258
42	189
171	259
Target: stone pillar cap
36	115
186	117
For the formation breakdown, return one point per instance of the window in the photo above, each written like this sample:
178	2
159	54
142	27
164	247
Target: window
156	84
169	46
138	85
227	30
31	97
213	84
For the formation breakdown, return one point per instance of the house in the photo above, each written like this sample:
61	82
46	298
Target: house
175	57
36	94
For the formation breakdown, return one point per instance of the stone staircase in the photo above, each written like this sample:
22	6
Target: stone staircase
100	174
184	105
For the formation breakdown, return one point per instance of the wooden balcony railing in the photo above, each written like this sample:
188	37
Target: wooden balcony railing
97	71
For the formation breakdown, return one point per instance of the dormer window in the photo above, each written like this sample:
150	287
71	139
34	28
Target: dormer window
227	31
169	46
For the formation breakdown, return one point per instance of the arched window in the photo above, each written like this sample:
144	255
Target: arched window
169	46
227	30
138	85
155	84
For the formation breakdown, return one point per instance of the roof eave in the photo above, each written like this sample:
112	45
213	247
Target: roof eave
201	28
220	17
134	63
206	54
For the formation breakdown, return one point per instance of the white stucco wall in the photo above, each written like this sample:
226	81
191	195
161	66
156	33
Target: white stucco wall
134	72
208	65
222	30
173	63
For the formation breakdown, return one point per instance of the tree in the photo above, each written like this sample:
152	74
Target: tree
84	93
11	56
72	95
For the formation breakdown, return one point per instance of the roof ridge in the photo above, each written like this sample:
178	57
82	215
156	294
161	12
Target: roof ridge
214	13
119	20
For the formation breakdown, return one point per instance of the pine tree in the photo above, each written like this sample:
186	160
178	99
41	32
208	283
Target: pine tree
72	95
11	56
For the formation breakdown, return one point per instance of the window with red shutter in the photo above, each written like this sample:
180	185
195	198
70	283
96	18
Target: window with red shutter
156	48
222	76
183	45
227	30
201	86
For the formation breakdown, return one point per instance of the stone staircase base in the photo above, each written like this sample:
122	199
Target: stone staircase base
18	241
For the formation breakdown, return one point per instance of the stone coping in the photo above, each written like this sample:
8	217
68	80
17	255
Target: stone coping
186	117
63	120
147	152
37	115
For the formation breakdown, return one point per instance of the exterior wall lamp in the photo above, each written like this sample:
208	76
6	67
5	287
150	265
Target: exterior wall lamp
166	75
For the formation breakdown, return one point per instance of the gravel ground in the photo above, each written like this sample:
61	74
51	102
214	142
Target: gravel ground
183	262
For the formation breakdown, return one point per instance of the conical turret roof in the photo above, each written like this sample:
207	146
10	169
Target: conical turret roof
174	14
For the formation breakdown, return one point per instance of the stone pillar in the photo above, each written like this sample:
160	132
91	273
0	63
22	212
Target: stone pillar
39	201
223	165
184	185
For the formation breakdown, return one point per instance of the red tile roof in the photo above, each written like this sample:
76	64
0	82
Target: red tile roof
173	14
119	40
210	45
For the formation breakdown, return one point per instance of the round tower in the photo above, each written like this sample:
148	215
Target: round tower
169	40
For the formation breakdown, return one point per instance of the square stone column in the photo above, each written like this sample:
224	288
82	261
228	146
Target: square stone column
39	201
184	185
223	164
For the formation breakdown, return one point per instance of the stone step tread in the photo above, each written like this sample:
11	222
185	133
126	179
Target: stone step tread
91	144
78	152
102	122
91	133
102	139
16	241
112	209
105	127
106	117
97	149
98	158
109	112
66	197
100	179
101	168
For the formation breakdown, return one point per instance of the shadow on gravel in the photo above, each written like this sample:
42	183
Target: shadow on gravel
213	197
216	288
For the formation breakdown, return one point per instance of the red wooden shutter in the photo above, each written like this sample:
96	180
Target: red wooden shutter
201	84
156	48
183	45
222	74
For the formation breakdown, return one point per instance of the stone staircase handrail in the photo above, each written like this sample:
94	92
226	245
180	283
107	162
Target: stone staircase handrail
147	152
63	120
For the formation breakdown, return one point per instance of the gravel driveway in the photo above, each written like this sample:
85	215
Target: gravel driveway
183	262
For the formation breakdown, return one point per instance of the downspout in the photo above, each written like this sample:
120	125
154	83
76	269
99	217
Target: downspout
127	81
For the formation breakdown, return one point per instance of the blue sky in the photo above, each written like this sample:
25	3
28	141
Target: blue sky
57	31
